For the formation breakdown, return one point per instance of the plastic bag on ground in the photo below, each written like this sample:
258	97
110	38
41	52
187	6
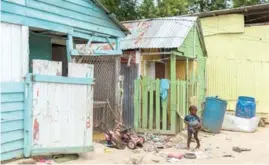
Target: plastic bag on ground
233	123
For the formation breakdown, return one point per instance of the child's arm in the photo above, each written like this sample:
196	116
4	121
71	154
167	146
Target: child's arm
186	120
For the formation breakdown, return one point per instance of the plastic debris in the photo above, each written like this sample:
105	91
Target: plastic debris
239	150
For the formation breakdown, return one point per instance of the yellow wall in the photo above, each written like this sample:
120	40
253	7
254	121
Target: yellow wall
238	62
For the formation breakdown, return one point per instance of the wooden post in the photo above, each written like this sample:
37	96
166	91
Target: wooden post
187	84
173	93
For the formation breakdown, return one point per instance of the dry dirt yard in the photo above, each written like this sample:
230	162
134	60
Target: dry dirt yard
213	148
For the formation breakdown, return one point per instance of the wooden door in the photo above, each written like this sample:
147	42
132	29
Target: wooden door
159	70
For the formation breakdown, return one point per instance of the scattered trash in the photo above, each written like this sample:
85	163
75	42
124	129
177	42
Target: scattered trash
181	146
239	150
27	161
228	156
262	122
190	156
201	155
156	160
136	160
65	158
172	160
106	150
175	155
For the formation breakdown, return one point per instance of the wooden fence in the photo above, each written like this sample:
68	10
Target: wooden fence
152	114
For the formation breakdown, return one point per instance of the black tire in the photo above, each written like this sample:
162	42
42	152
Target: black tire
131	145
190	156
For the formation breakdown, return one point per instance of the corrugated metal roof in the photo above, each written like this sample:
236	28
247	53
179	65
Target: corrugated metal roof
168	32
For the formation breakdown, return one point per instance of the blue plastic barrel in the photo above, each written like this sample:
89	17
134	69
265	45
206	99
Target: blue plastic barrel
213	115
245	107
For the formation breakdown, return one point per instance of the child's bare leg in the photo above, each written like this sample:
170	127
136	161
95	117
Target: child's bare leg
197	140
189	139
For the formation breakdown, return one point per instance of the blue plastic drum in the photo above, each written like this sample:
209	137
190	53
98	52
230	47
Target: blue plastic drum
213	114
245	107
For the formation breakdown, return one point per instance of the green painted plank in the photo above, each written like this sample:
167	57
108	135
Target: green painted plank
164	114
173	109
145	103
15	145
137	104
11	116
178	98
62	150
11	136
151	115
11	87
12	126
37	14
158	110
13	106
16	154
12	97
62	79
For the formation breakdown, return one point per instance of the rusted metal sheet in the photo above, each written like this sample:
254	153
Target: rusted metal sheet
167	32
62	113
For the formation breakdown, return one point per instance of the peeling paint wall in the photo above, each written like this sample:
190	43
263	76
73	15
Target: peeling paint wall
62	113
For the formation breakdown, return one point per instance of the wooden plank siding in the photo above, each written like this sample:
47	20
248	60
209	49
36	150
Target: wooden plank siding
12	120
80	18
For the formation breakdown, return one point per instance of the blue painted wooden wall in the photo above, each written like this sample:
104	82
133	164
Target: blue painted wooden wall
12	123
81	18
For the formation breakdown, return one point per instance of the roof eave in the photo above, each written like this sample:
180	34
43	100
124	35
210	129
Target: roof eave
244	9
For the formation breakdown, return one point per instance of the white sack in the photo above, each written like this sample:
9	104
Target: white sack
233	123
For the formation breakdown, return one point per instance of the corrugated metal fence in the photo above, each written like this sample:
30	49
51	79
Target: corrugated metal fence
130	74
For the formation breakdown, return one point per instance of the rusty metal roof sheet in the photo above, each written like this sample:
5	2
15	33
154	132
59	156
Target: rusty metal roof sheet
169	32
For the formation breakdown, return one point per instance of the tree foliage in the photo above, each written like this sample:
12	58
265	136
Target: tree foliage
123	9
131	9
240	3
147	9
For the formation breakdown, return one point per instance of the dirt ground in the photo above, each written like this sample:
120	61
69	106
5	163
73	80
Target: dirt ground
213	148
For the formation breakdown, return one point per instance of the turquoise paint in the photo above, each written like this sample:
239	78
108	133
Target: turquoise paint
98	52
12	87
28	132
11	146
63	80
60	150
12	116
13	97
14	106
40	48
29	12
12	110
12	154
71	14
12	136
12	126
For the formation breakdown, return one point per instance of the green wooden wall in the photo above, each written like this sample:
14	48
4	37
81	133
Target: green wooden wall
197	52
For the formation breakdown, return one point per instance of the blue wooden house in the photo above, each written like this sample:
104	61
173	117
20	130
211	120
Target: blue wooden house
46	99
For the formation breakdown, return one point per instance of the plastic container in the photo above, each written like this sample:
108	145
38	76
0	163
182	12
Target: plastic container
245	107
213	114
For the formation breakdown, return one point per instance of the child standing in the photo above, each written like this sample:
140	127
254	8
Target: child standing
194	125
